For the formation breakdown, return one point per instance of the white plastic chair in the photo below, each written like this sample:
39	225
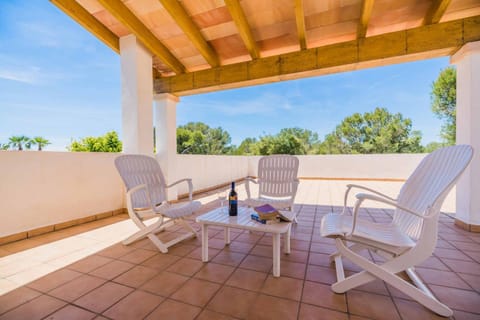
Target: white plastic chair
146	199
411	236
277	182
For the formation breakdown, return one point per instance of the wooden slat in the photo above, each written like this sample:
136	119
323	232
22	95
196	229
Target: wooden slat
436	11
409	45
149	40
89	22
300	20
181	17
367	6
241	22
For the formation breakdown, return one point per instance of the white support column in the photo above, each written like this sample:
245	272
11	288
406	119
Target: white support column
137	94
166	137
467	61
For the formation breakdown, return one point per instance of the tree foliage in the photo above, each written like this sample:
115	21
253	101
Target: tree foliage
19	142
106	143
444	102
373	132
40	142
199	138
287	141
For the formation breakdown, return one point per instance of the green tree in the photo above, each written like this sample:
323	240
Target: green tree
106	143
40	142
287	141
19	142
444	102
246	147
373	132
4	146
432	146
199	138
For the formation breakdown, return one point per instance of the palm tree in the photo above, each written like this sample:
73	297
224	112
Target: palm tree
4	146
18	141
40	142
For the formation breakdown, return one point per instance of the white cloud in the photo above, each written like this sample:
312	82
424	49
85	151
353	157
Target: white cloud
30	76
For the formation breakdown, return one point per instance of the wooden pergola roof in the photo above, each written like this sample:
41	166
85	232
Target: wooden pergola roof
207	45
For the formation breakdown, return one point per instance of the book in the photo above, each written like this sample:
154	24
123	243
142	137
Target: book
266	212
255	217
286	216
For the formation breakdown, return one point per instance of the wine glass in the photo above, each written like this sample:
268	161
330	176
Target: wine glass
221	196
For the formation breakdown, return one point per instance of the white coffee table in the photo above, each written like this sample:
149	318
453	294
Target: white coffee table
219	217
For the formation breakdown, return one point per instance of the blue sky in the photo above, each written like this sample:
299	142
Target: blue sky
59	82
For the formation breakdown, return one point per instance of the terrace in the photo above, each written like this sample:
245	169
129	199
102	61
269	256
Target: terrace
63	213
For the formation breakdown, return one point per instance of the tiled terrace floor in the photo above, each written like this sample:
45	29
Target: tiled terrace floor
138	282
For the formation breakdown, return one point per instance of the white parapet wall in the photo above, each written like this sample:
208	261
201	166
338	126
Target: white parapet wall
40	189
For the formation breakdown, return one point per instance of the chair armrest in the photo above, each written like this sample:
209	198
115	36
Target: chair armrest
247	185
136	189
351	186
190	186
363	196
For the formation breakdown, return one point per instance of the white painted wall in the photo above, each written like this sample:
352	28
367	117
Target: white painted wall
43	188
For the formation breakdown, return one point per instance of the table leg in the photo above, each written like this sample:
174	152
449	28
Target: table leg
204	243
227	235
276	254
287	240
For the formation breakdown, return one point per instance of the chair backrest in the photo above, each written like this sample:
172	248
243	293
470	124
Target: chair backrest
428	185
277	175
140	169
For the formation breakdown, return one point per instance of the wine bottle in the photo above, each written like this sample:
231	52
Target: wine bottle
232	201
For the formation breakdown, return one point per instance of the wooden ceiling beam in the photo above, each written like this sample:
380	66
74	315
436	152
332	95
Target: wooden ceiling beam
300	20
181	17
241	22
89	22
121	12
436	11
367	6
408	45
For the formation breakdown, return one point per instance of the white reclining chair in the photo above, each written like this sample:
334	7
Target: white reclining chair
411	236
147	198
277	182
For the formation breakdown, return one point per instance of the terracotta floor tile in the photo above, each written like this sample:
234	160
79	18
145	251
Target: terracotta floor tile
295	256
309	312
325	275
371	305
16	297
211	315
321	295
89	263
137	305
216	243
138	256
233	301
72	313
197	254
461	315
54	280
469	245
239	246
165	283
34	309
299	245
257	263
451	254
174	310
249	237
472	280
283	287
262	250
413	310
160	261
320	259
103	297
247	279
186	266
468	267
463	300
112	269
215	272
76	288
116	251
293	269
181	249
136	276
442	278
267	308
229	258
324	248
434	263
197	292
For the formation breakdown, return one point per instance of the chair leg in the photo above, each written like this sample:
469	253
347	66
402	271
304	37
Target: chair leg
386	272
